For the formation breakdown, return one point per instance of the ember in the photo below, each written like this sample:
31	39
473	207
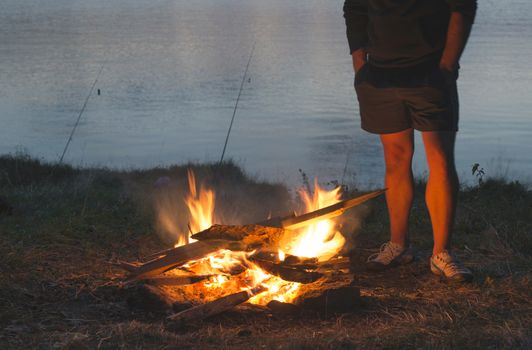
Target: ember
259	263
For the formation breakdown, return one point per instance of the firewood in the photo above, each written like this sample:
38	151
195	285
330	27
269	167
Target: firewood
297	260
176	280
252	236
295	222
334	265
300	266
215	307
179	256
158	254
291	274
129	267
290	260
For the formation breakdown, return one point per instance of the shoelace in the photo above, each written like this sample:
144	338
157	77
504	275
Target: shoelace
385	248
453	264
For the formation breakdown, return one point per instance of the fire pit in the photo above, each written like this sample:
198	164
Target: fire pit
267	263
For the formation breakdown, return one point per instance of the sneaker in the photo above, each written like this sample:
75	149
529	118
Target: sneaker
390	255
446	265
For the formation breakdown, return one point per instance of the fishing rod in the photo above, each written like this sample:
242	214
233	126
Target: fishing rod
81	112
236	104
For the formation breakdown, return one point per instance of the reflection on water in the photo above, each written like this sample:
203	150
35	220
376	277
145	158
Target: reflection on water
172	70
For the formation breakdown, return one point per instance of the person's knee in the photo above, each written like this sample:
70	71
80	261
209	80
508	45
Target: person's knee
439	149
440	162
398	158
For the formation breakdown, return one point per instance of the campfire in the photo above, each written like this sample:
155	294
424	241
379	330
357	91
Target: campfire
259	263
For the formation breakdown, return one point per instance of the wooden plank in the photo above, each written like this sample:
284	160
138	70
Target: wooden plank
158	254
252	236
292	274
295	222
333	265
178	257
215	307
176	280
129	267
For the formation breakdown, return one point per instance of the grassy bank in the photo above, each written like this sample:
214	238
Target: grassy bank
60	226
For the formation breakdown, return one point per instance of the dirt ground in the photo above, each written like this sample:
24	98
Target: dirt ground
61	227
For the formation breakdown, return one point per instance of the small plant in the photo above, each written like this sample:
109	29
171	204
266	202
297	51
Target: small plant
479	172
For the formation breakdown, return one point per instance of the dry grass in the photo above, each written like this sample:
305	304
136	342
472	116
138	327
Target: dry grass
57	289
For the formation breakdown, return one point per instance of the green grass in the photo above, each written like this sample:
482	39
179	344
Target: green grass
58	290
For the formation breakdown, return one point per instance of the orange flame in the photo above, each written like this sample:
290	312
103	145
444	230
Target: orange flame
201	208
319	240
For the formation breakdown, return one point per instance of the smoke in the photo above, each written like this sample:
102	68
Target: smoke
170	210
235	199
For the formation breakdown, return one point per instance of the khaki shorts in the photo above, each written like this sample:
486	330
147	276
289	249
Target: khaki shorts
393	100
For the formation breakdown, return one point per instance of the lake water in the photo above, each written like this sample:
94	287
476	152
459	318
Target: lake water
172	71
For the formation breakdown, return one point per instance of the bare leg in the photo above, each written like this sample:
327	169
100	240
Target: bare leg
442	185
398	152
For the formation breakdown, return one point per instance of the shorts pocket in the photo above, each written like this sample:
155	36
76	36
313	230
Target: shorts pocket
361	75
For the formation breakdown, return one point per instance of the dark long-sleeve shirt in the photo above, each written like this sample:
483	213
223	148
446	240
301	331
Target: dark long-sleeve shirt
402	33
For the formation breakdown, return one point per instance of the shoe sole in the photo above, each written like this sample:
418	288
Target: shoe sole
400	260
459	279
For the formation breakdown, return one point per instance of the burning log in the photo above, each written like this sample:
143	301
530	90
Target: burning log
292	274
177	280
298	260
294	222
252	236
334	265
290	260
215	307
179	256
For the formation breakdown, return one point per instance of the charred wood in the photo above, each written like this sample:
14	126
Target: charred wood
215	307
291	274
298	260
289	261
176	280
129	267
334	265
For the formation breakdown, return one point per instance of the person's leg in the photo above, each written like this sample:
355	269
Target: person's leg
442	185
398	151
